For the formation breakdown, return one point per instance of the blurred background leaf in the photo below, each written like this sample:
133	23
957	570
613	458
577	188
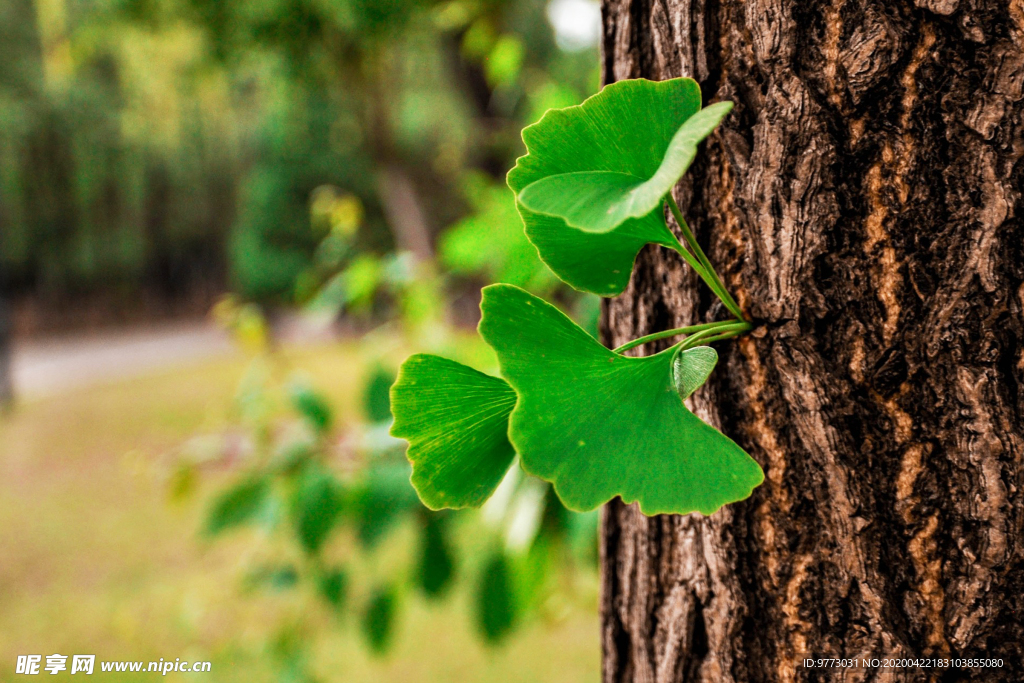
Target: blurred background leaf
312	406
317	503
333	586
436	565
379	619
496	599
377	395
240	504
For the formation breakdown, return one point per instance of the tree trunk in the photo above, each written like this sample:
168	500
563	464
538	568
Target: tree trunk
6	322
21	76
863	203
6	380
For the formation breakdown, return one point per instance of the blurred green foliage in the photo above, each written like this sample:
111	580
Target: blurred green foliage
171	145
491	242
113	169
330	507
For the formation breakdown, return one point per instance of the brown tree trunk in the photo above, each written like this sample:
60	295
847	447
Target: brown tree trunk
863	202
6	344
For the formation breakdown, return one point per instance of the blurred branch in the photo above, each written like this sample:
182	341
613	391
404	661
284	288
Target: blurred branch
404	212
6	334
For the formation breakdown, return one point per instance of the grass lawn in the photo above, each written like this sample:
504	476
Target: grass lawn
96	559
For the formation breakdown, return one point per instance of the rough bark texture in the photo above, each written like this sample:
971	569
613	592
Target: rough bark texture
864	204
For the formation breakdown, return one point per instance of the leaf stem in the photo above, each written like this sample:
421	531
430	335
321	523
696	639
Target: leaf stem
698	260
667	333
706	271
722	329
733	328
694	263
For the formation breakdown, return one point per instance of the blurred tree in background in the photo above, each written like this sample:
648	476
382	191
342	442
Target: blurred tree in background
115	169
163	149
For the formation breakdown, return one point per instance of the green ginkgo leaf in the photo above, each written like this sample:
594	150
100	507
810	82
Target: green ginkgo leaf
597	424
626	129
601	200
456	421
692	367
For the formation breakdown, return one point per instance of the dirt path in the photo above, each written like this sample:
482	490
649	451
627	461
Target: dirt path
49	366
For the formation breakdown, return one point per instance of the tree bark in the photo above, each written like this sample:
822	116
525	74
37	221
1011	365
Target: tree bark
863	203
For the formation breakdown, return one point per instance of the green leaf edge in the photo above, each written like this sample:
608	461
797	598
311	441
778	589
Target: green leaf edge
428	494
